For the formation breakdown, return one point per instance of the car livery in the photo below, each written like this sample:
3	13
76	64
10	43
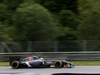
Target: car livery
36	62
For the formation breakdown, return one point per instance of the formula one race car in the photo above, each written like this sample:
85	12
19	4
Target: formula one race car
35	61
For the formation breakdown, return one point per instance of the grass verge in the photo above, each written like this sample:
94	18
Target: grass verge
4	63
87	63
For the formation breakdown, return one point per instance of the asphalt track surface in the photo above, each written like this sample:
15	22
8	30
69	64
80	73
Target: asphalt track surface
50	71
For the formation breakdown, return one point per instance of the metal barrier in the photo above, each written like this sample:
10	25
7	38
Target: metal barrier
70	56
50	46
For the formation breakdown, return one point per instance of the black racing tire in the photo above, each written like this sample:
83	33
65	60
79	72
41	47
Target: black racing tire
58	64
15	64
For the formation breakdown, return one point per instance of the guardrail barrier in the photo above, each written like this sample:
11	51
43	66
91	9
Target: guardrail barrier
70	56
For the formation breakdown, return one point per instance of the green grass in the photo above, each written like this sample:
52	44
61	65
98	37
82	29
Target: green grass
79	63
4	63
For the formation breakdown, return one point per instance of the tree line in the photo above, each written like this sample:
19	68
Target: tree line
47	20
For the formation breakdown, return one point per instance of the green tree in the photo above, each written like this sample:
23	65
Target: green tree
34	22
57	6
7	9
12	4
65	12
68	19
4	13
69	23
3	34
89	27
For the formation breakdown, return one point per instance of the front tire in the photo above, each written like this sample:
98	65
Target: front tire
58	64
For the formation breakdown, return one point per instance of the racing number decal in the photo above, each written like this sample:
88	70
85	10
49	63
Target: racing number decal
30	58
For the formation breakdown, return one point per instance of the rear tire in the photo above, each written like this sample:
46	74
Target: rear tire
15	64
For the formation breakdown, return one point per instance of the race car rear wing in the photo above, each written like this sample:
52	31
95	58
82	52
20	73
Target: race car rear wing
13	58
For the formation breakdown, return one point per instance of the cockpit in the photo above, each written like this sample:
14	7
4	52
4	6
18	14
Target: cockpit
31	58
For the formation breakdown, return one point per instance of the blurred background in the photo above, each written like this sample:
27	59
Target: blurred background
49	26
51	46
